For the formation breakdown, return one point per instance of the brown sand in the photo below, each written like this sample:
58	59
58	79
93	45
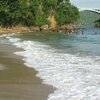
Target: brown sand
14	29
18	82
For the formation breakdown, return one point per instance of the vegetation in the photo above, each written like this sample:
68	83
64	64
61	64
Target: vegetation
87	18
66	13
36	12
97	23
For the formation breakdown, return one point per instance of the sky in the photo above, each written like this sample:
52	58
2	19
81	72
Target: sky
86	3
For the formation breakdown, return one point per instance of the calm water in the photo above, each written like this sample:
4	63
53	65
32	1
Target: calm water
87	44
71	63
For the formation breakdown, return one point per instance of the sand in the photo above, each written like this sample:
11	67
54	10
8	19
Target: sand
18	82
14	29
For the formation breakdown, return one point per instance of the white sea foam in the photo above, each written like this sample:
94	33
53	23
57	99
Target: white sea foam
9	34
76	78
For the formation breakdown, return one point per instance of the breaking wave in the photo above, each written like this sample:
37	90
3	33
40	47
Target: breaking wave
74	77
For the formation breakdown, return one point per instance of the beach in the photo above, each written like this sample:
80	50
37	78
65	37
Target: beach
69	64
18	82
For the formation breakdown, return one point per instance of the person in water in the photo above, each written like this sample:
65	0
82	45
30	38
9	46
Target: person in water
70	32
82	31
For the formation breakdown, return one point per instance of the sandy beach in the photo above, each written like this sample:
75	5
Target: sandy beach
18	82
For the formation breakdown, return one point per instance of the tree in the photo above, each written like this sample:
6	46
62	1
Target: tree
66	13
97	23
36	12
3	12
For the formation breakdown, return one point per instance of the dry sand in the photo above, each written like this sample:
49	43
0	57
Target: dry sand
18	82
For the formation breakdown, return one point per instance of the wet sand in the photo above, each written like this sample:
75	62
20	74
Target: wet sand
18	82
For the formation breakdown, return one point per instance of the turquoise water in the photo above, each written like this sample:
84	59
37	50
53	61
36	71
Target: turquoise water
87	44
70	63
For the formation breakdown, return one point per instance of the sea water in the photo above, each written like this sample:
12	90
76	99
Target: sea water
70	63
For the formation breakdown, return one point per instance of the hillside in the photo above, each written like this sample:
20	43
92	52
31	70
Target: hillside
37	13
87	17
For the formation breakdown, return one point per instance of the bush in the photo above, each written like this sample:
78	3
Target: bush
36	12
97	23
66	13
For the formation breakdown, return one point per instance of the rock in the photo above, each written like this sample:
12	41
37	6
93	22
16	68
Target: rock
53	23
67	27
34	28
44	27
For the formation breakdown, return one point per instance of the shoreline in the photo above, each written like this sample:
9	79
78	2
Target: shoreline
4	30
44	28
17	81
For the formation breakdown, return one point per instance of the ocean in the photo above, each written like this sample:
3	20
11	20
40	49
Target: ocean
70	63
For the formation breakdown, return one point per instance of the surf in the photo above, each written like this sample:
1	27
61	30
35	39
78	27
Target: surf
74	77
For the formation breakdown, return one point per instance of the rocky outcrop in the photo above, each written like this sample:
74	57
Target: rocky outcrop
34	28
53	23
44	28
67	27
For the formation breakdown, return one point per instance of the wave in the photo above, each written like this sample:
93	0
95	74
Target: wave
76	78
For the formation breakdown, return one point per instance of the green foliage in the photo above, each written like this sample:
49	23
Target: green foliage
48	6
97	23
87	18
36	12
66	13
40	20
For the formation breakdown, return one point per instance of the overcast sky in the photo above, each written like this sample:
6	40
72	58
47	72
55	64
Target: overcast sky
86	3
